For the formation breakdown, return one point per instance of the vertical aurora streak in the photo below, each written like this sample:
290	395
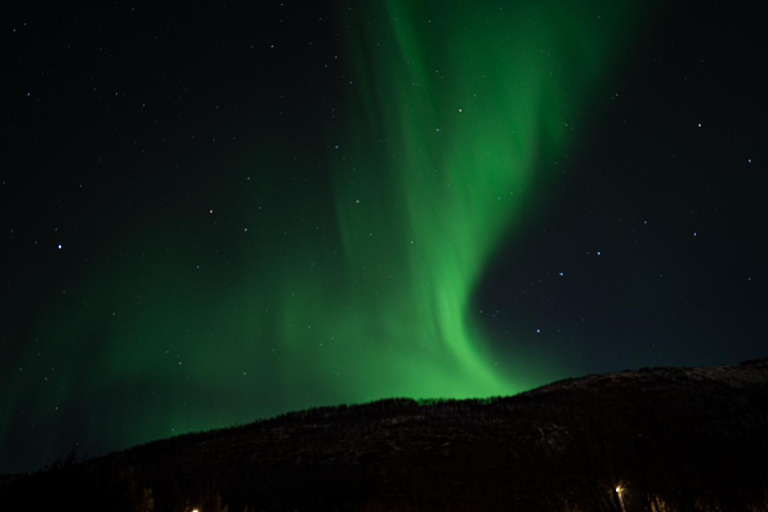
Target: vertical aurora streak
458	102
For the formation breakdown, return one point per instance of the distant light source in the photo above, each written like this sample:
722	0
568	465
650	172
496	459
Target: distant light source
619	491
195	510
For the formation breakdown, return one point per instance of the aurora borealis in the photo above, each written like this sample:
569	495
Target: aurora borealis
425	194
222	213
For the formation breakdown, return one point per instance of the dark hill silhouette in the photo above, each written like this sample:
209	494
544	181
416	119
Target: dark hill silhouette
658	440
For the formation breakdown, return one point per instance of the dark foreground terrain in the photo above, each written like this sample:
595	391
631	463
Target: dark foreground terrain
657	440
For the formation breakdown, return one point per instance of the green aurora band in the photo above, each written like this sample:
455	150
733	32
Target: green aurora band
458	105
451	108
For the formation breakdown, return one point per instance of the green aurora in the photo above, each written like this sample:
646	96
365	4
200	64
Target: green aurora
452	111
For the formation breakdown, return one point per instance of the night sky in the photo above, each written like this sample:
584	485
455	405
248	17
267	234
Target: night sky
212	213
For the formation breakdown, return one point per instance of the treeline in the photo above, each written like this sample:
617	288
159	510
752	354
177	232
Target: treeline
71	485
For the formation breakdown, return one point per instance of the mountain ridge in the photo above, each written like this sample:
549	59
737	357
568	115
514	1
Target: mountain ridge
669	438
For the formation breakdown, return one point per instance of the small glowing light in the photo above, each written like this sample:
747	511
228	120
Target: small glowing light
619	490
59	246
461	110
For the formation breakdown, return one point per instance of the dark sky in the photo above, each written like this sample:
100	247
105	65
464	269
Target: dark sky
212	213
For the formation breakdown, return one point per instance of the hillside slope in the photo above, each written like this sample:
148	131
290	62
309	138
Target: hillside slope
667	439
